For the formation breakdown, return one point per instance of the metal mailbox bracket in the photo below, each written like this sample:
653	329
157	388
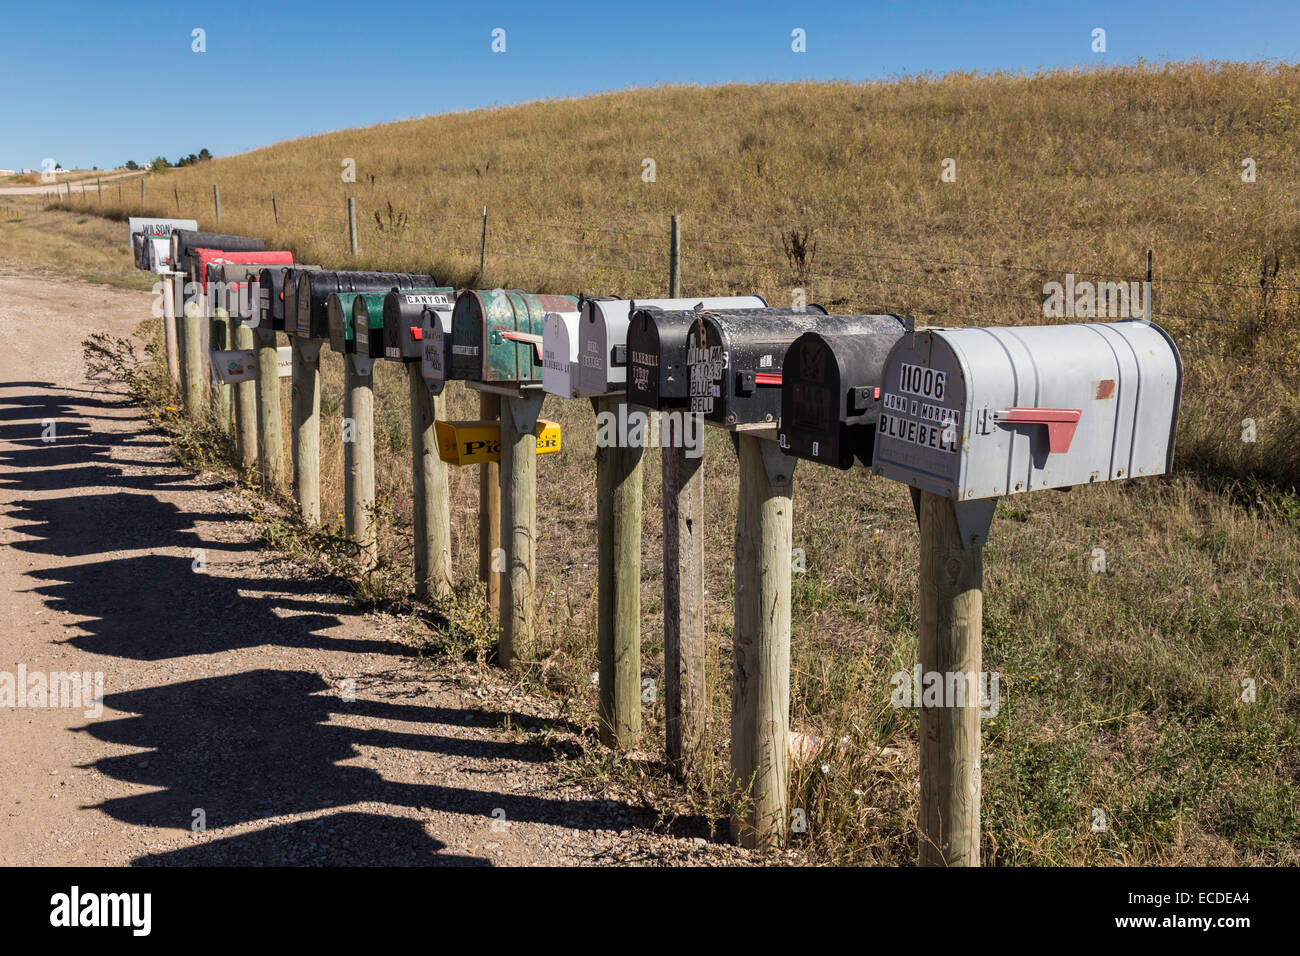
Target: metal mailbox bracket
973	520
310	348
364	364
525	410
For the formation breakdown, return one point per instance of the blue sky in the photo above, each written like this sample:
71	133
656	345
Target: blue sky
89	85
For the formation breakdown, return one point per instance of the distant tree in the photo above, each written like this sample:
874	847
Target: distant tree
132	164
204	155
160	164
58	165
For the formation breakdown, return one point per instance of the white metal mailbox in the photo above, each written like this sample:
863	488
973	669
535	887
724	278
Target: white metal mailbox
145	234
435	356
601	347
981	412
560	354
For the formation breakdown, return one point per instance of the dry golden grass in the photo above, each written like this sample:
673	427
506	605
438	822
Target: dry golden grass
1121	691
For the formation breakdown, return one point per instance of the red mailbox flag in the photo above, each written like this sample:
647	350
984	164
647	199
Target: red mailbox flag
204	257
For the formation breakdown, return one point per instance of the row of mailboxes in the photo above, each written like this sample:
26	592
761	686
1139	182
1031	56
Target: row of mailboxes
659	352
585	354
314	288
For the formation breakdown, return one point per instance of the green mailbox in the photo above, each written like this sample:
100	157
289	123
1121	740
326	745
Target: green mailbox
339	309
497	336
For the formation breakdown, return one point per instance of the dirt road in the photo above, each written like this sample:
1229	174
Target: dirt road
226	668
84	186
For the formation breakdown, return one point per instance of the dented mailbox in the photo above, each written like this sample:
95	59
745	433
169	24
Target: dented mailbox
657	375
403	320
982	412
314	288
600	351
497	335
831	391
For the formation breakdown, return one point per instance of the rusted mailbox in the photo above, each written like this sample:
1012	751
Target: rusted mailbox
599	353
658	376
497	336
315	287
982	412
831	391
403	320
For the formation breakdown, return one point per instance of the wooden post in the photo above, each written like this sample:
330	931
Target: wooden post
433	573
518	523
760	694
176	194
952	600
352	224
216	201
482	248
99	188
489	511
618	633
141	191
359	457
195	383
686	707
306	427
275	211
169	327
218	338
246	405
270	441
675	260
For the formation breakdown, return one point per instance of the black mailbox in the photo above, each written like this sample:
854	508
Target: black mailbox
185	241
657	372
403	338
315	287
274	285
830	391
735	362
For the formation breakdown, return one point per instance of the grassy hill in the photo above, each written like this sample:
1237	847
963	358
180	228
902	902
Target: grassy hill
1122	690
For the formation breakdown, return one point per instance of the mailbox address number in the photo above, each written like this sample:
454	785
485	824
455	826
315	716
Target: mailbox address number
918	380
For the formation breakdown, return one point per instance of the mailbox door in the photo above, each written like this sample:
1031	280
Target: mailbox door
368	324
435	360
603	333
831	387
338	313
560	354
403	323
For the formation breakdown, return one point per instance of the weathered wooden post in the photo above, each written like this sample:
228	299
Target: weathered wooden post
176	194
275	210
216	201
246	405
675	259
760	696
433	571
194	359
141	192
951	613
99	188
352	224
685	694
218	338
359	455
170	344
306	426
518	521
618	523
270	441
489	511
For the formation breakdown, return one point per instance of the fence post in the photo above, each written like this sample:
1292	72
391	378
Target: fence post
685	695
760	694
195	383
675	260
433	574
176	194
352	224
1146	292
99	188
951	612
216	201
359	456
170	346
275	210
119	194
306	427
482	247
618	633
518	522
245	404
489	511
141	190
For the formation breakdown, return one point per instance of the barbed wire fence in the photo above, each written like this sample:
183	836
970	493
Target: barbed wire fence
1221	319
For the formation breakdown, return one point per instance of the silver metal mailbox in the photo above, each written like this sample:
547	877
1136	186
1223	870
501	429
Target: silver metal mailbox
149	226
601	346
560	354
435	357
982	412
